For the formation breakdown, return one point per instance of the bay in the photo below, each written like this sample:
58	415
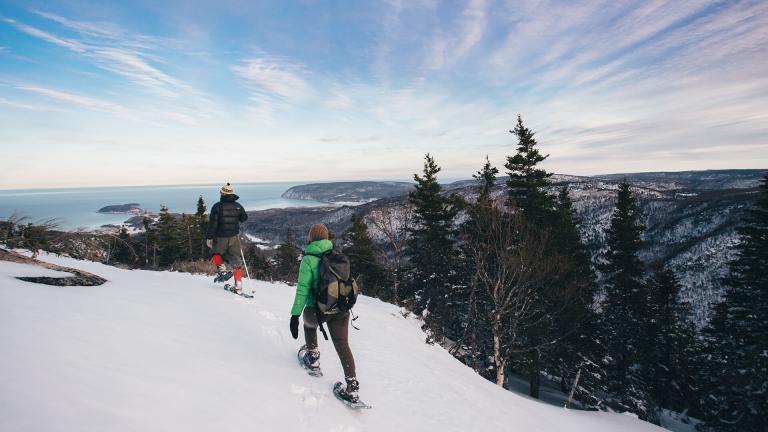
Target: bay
77	208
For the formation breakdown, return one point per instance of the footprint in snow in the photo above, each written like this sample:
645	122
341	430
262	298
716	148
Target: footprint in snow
308	396
272	332
269	315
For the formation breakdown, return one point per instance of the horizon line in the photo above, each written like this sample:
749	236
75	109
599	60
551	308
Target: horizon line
306	182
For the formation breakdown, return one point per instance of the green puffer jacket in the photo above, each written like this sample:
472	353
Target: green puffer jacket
308	275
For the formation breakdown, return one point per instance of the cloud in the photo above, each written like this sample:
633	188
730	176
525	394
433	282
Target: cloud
87	102
274	83
445	50
62	42
130	65
24	106
91	29
122	59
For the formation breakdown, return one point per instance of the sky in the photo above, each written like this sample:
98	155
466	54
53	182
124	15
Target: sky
184	92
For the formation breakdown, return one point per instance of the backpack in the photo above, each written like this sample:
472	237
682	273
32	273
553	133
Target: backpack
336	290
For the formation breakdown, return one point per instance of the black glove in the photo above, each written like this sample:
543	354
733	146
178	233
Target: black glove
295	326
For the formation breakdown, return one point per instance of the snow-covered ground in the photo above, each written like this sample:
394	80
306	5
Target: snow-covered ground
160	351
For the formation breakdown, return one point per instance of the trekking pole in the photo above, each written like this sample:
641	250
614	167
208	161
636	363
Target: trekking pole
247	273
242	255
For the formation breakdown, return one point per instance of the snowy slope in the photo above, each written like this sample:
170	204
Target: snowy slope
152	351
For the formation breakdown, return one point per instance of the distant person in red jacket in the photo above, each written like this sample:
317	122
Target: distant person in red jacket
223	237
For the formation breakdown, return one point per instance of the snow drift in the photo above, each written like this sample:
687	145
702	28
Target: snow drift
157	351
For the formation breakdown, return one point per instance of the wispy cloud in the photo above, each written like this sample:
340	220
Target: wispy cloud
132	66
25	106
82	101
274	83
48	37
100	30
446	50
125	60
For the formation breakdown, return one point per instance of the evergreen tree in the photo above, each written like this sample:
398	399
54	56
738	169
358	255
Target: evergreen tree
365	266
668	367
738	334
527	192
286	260
431	249
189	238
526	180
625	309
258	264
150	243
486	179
168	239
202	226
124	249
477	334
575	322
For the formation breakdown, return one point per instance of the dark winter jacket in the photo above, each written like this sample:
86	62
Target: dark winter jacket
226	216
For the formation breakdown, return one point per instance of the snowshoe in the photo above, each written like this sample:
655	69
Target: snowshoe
310	361
233	289
348	395
223	276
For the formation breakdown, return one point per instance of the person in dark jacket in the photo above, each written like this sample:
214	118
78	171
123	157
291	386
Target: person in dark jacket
223	237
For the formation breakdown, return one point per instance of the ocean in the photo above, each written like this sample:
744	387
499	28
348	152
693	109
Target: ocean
78	207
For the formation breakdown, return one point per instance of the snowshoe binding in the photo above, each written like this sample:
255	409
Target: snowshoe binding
223	276
348	394
310	361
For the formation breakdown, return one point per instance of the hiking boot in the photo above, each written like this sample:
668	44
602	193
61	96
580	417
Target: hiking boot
311	359
350	393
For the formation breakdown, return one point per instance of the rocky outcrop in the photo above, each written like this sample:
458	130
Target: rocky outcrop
78	278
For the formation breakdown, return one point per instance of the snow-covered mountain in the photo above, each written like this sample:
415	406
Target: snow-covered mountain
690	216
160	351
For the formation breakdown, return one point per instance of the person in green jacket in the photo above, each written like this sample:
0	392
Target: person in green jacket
305	304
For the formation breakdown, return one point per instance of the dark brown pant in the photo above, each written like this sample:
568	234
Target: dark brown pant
229	249
338	326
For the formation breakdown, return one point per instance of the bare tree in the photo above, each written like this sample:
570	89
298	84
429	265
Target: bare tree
390	225
510	265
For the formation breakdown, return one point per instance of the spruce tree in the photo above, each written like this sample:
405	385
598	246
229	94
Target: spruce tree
168	238
150	243
668	368
575	323
286	259
478	306
526	189
365	266
486	179
624	317
737	377
189	238
431	249
526	179
124	249
258	264
202	226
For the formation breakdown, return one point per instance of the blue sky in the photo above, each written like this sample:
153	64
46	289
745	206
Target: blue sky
147	92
